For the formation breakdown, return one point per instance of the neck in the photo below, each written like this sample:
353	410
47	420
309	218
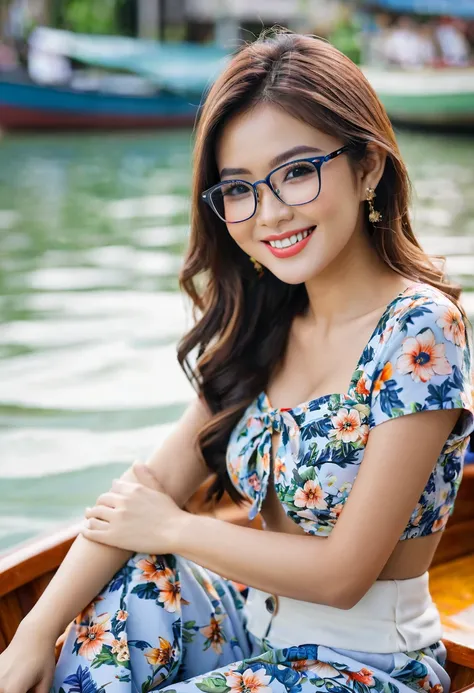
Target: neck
355	283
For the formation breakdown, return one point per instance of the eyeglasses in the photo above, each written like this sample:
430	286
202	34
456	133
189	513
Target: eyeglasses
295	183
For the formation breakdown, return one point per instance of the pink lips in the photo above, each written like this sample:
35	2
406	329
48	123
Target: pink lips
292	249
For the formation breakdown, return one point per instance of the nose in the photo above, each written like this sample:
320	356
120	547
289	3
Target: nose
270	210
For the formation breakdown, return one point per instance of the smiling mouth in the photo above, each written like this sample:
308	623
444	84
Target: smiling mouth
291	240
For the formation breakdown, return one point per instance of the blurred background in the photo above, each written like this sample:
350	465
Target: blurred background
97	104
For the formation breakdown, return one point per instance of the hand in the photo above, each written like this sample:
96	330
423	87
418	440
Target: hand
33	672
136	517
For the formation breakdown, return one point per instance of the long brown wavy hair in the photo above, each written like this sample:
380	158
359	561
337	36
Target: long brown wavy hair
242	322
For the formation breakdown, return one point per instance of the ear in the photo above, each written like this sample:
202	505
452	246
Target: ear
371	168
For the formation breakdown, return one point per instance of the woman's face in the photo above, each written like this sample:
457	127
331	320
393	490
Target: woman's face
249	142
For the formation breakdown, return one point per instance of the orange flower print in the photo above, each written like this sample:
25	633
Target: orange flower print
152	569
425	685
437	688
122	615
214	634
453	326
440	523
279	468
443	518
417	515
422	358
248	682
170	591
120	648
310	496
337	509
385	375
384	337
207	585
361	387
363	676
160	656
323	669
346	425
95	635
364	434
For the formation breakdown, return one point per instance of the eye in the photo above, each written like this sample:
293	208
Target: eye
299	171
234	189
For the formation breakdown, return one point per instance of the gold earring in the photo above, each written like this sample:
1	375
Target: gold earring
374	215
257	266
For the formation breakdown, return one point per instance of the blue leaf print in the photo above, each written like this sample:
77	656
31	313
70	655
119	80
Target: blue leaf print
367	356
457	378
81	681
317	404
140	644
294	654
439	395
411	672
147	590
299	418
290	678
121	579
411	315
316	429
452	469
389	398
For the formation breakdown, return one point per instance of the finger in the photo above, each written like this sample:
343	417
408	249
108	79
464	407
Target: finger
97	535
100	512
112	500
146	476
96	524
123	488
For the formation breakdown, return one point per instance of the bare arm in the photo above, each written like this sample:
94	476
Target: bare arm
179	470
337	570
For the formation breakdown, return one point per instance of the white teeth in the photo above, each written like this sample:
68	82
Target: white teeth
291	240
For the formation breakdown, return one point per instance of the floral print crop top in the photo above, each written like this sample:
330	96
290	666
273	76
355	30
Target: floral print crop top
418	358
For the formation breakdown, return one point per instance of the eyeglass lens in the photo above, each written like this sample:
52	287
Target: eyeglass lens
295	184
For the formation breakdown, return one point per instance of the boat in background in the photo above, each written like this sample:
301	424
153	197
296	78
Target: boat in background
121	83
440	96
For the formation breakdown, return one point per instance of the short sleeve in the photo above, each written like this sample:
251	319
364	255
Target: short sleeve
424	364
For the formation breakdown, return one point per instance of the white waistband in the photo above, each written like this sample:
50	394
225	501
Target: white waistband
394	616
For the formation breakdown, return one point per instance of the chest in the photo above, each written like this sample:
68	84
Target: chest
309	455
318	364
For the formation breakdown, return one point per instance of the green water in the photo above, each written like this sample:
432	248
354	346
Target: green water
92	230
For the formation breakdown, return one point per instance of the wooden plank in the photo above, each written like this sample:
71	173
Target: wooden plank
452	589
467	689
29	561
10	615
462	680
457	541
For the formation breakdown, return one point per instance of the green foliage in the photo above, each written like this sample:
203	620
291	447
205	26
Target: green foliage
90	16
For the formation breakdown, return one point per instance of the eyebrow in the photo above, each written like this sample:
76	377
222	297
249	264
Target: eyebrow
276	161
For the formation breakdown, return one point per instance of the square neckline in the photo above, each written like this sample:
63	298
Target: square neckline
340	395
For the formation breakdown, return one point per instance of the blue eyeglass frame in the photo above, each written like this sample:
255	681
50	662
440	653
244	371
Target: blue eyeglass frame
318	161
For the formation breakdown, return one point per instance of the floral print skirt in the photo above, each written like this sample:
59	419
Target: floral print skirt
165	623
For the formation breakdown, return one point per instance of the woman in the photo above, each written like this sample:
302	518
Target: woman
331	364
